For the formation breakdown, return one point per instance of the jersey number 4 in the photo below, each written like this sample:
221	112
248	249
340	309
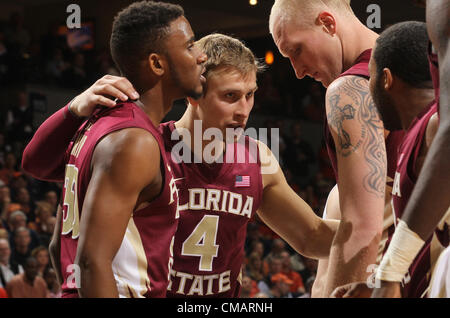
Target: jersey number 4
71	215
202	242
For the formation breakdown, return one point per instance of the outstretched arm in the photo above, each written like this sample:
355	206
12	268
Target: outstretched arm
358	134
291	217
44	156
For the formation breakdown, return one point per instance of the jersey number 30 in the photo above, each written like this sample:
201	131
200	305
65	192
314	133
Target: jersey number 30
71	216
202	242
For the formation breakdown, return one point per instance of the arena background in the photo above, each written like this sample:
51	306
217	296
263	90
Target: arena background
42	69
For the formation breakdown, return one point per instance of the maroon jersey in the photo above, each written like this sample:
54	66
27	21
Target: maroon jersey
142	263
405	179
216	204
361	68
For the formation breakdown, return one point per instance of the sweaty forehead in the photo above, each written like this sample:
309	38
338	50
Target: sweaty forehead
229	78
181	28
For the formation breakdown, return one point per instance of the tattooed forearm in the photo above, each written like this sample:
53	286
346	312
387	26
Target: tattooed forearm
350	105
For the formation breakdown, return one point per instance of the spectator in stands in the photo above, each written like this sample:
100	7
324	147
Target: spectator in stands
275	267
254	268
52	283
9	170
249	287
28	284
26	205
52	198
21	248
297	288
297	263
6	272
49	226
5	201
310	270
4	234
43	211
16	220
280	286
256	246
278	246
40	253
19	122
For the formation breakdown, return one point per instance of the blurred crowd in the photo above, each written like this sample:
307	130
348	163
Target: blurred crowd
28	206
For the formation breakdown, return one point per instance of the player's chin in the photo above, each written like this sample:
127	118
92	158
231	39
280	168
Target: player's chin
196	93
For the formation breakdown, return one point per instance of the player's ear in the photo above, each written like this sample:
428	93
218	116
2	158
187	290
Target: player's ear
157	64
327	21
388	79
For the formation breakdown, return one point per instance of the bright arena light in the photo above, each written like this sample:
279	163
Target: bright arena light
269	58
253	2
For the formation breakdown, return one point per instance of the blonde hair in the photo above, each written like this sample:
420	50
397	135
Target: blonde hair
305	11
224	51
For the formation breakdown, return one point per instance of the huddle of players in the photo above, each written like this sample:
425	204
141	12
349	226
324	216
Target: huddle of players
187	221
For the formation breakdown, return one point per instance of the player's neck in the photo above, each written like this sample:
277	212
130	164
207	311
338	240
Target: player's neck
356	38
155	104
413	101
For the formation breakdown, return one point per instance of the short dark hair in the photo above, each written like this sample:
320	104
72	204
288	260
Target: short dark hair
138	30
403	49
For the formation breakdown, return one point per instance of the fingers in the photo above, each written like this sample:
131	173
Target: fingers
339	292
110	90
118	87
104	101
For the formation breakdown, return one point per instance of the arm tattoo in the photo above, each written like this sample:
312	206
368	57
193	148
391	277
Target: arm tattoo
371	138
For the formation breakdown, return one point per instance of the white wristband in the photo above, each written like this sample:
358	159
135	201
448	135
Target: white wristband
402	251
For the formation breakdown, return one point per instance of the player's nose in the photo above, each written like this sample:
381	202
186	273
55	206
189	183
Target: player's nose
298	67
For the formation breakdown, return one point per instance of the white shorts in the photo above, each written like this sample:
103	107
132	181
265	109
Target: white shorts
324	216
440	280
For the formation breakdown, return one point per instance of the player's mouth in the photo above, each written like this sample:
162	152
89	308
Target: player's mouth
236	125
202	76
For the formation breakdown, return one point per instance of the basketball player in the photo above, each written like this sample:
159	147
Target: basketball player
119	197
325	40
215	206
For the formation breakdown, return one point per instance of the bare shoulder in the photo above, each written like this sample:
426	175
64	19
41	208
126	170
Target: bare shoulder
349	81
351	112
432	127
270	168
125	148
354	89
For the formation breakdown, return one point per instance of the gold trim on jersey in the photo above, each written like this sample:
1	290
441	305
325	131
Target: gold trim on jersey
133	236
79	142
